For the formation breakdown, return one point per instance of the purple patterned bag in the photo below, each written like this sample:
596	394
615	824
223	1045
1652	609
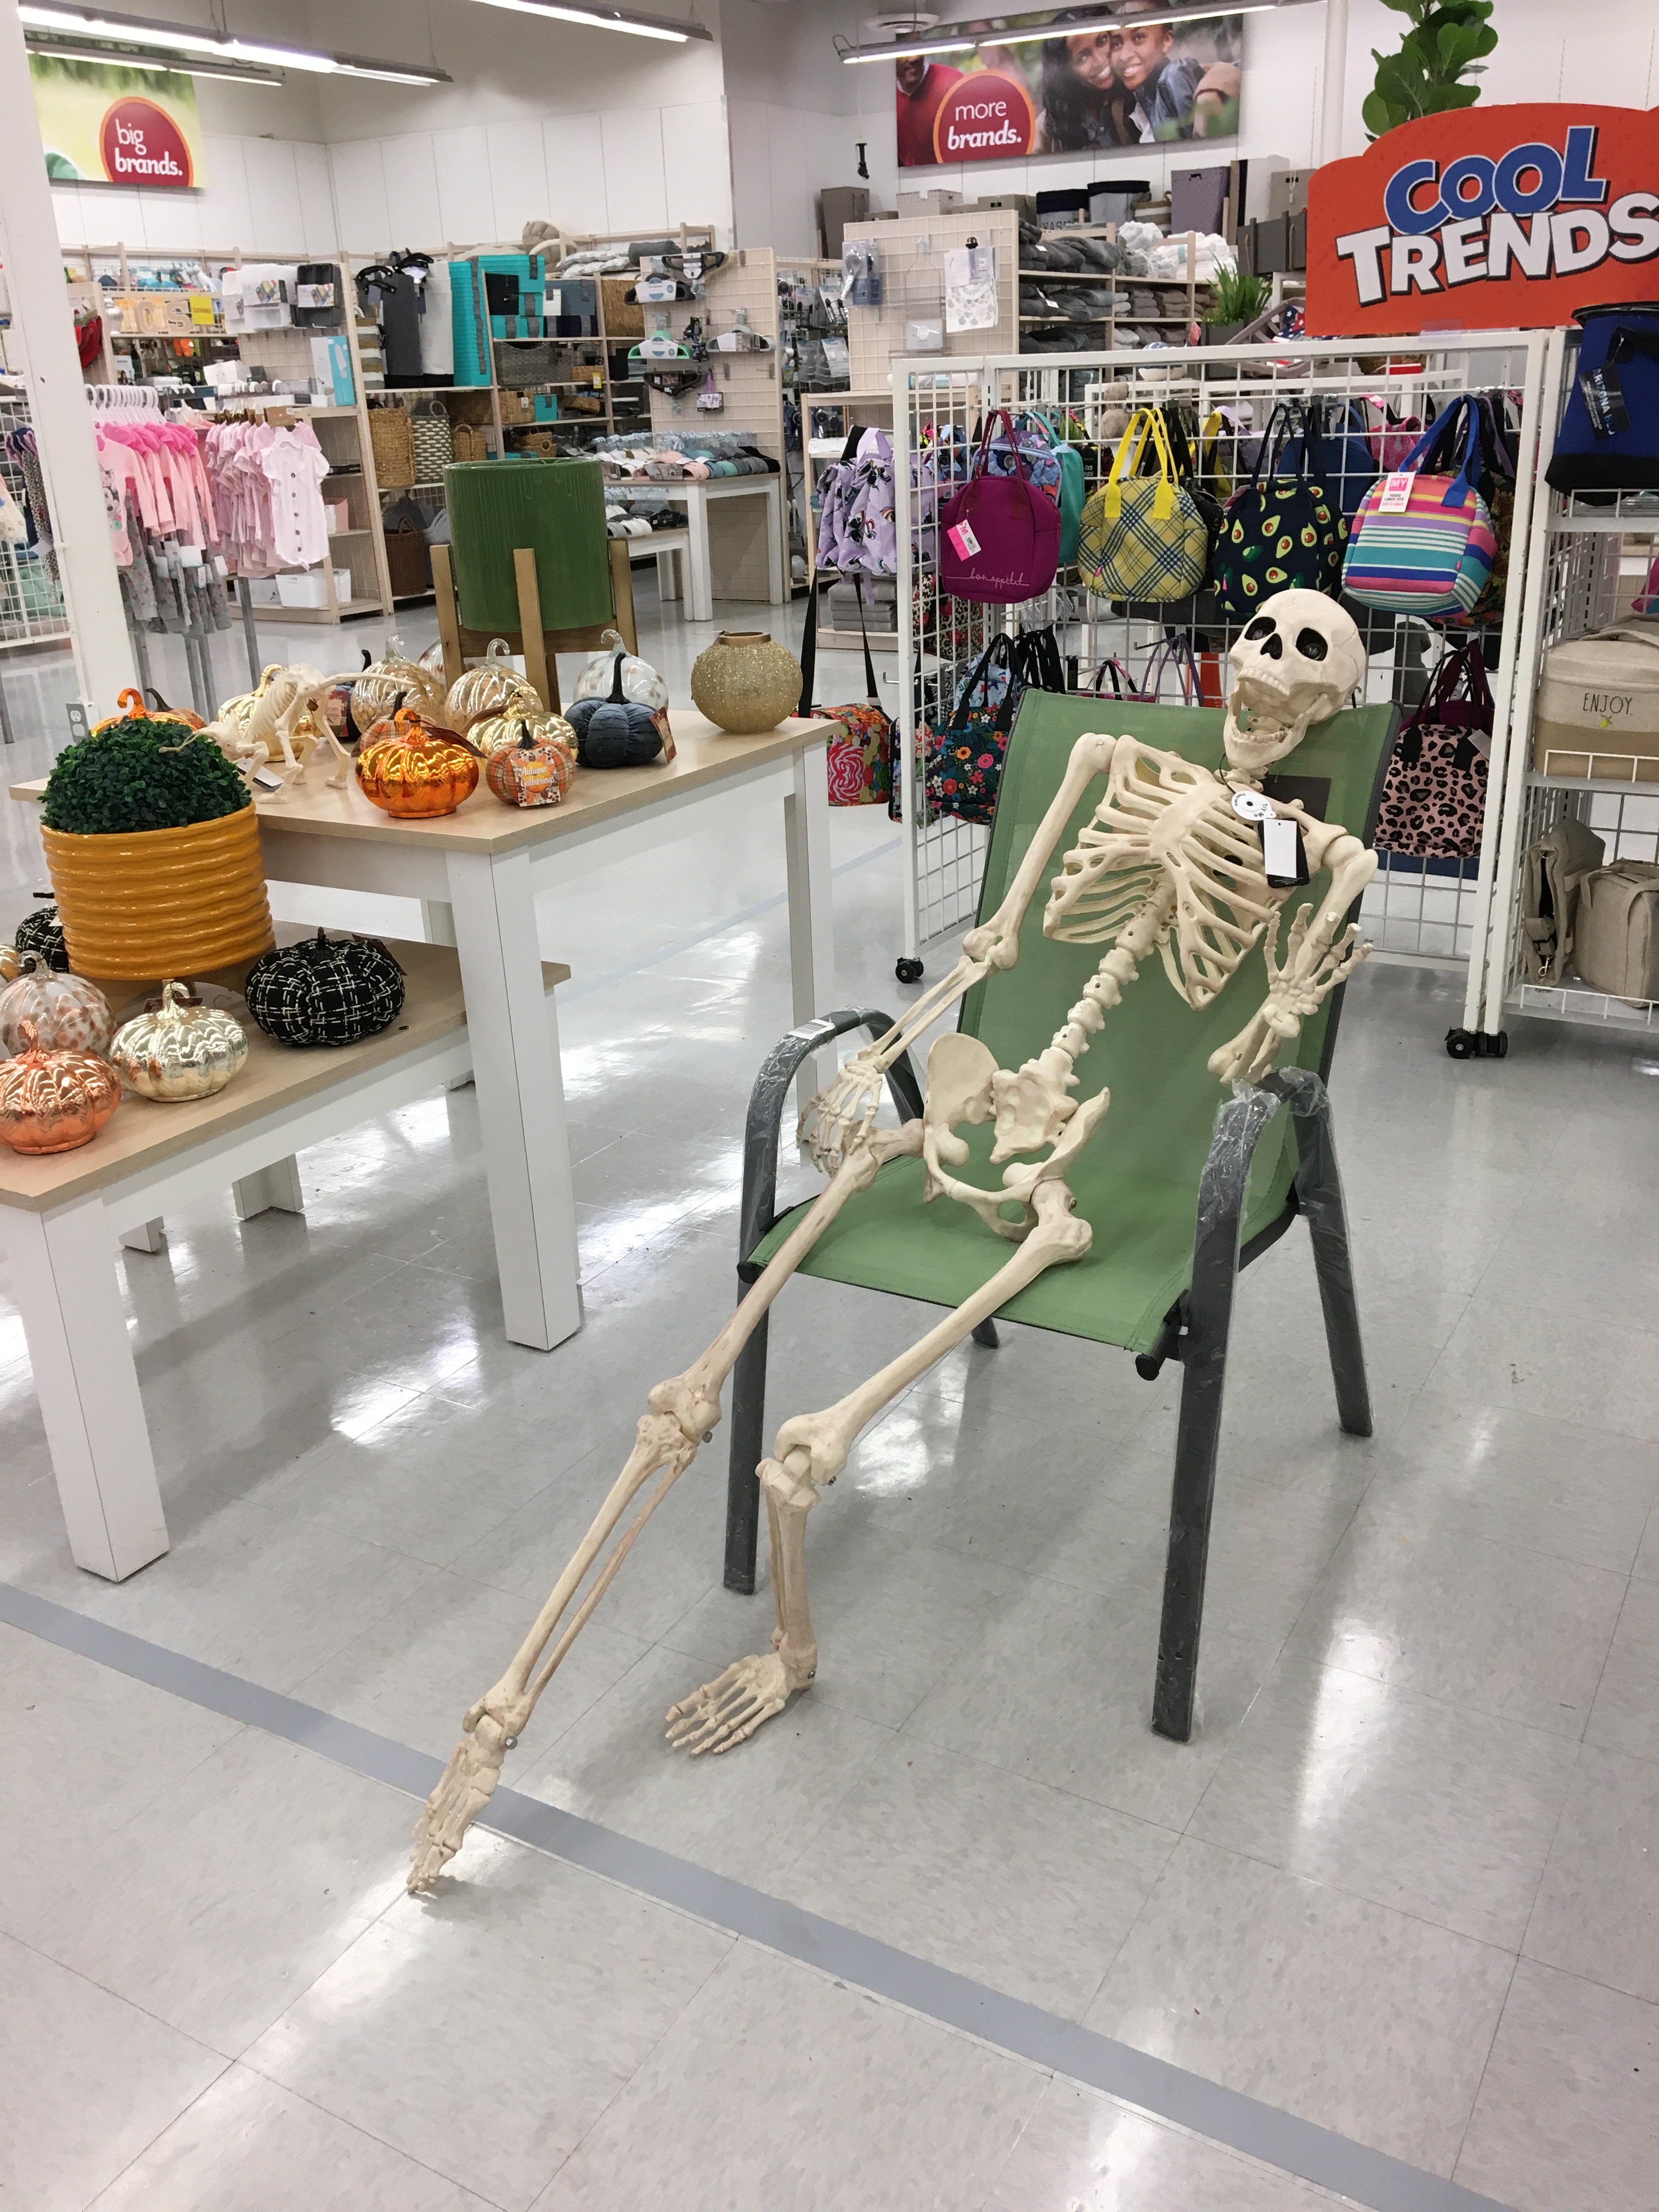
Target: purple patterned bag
855	512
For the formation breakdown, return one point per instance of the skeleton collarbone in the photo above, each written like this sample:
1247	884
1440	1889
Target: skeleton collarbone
1165	861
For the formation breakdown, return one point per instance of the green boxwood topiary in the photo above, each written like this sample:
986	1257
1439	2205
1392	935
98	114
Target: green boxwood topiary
142	773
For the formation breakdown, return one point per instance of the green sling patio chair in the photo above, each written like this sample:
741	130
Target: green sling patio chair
1183	1184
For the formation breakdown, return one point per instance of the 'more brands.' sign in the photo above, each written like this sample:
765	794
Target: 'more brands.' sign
1494	218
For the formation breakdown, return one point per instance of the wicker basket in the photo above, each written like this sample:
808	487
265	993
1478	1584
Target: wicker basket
623	318
472	442
434	441
408	564
392	439
519	366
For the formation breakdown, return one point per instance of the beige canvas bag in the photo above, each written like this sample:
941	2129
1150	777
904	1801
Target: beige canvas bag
1552	872
1598	706
1615	945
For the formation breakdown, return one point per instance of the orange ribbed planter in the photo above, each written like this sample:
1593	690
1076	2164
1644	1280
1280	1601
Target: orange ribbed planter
153	902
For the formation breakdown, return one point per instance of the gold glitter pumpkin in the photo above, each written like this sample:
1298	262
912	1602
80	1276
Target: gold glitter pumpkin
180	1049
493	689
415	769
68	1013
50	1102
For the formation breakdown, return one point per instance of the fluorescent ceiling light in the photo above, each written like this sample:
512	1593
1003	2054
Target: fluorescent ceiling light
57	48
187	42
1027	30
607	19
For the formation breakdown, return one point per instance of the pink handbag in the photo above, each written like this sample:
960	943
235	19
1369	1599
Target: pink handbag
999	535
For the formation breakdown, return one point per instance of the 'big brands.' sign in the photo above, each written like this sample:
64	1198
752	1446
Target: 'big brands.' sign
984	118
112	125
1495	218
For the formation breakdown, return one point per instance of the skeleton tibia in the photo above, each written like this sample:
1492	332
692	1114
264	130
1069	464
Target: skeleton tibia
811	1451
684	1412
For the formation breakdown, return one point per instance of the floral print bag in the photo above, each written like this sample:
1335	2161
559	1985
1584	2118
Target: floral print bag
860	757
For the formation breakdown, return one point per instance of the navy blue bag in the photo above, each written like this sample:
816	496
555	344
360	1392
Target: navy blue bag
1609	440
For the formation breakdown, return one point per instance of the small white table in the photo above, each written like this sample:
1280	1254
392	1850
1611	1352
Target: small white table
476	872
697	497
62	1215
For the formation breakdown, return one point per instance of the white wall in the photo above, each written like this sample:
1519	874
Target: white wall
1606	55
597	131
547	121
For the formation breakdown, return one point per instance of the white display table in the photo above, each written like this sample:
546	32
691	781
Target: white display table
61	1215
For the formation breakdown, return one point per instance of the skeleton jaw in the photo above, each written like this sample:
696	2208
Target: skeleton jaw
1262	726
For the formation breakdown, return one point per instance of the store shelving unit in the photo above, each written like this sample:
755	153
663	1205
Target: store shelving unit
285	352
1575	567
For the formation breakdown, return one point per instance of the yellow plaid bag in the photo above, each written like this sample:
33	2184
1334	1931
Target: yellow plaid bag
1143	537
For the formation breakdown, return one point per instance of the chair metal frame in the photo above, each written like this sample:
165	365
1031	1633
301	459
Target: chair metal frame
1196	1330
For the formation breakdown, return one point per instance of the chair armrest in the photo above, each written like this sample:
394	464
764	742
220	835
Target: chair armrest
768	1099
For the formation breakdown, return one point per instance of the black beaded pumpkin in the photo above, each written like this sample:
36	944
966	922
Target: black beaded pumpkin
326	991
614	732
41	932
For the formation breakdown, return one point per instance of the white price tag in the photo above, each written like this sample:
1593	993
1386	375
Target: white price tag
1252	806
1278	848
1396	492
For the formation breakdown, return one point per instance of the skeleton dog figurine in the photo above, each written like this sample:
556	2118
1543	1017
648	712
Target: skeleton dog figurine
1173	860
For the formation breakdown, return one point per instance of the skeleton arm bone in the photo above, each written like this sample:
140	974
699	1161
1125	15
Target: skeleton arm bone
1319	954
684	1412
842	1112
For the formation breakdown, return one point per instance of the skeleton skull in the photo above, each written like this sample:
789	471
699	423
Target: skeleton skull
1296	662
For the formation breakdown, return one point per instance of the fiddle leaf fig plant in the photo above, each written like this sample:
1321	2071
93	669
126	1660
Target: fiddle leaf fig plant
1444	46
140	772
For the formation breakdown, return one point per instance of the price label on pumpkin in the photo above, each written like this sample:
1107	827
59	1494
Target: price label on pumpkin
1396	493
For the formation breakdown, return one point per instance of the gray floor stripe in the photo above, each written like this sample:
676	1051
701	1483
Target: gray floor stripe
1225	2116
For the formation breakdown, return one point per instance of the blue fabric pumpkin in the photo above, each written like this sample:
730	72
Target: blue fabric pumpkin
614	732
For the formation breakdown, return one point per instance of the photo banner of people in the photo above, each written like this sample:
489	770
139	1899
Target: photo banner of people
1081	92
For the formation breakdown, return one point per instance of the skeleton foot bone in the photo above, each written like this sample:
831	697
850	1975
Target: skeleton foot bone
727	1712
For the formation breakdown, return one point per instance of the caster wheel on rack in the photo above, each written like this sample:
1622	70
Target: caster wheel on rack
1495	1046
1461	1045
907	971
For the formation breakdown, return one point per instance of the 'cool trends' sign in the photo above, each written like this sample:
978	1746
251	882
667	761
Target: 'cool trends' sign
1493	218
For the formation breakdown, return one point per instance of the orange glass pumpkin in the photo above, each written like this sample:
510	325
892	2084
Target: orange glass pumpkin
535	772
414	769
50	1102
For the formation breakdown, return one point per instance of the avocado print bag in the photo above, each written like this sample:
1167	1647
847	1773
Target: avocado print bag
1287	532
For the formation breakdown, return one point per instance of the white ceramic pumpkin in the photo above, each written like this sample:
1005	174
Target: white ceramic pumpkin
640	683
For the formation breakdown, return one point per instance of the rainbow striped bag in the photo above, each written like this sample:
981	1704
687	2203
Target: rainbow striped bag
1425	546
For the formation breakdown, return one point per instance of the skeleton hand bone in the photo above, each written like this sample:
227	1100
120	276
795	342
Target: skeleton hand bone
1295	990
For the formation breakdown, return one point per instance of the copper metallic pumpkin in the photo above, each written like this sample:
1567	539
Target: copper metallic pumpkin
393	682
495	687
180	1049
496	732
69	1013
416	769
131	704
535	772
50	1102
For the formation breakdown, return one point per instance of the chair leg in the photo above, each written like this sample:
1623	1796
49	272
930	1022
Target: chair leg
742	1490
986	1333
1204	1357
1192	1497
1319	1195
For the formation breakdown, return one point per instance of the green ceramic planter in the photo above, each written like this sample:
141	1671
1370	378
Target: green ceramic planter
555	507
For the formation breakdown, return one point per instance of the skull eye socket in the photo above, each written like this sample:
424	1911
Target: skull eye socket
1312	644
1263	626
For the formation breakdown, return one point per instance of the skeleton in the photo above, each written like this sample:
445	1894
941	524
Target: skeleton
285	718
1167	862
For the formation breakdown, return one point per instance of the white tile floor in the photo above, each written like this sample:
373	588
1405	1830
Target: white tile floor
1404	1883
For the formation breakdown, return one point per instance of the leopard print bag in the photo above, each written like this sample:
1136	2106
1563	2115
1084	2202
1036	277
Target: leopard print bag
1434	797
